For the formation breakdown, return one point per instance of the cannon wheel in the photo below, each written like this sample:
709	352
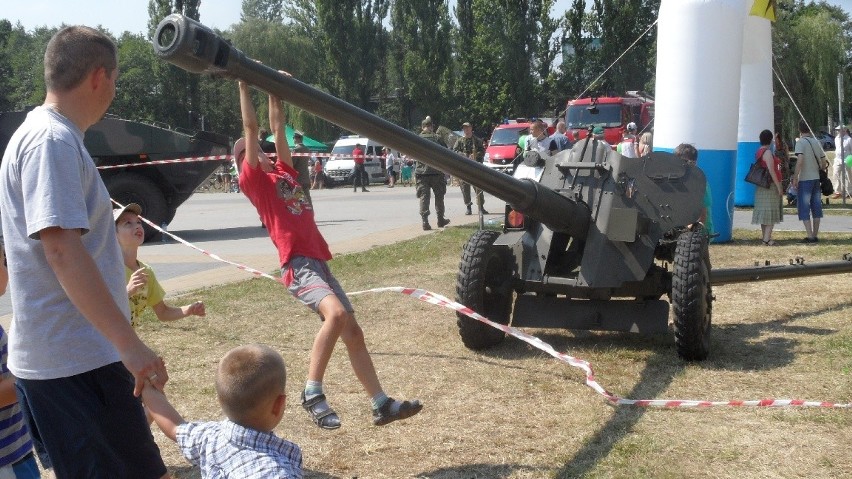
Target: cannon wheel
692	297
483	285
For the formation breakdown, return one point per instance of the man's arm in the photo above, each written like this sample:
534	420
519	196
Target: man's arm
4	273
164	414
277	122
82	281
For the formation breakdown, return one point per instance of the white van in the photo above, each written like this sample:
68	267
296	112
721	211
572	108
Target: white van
338	169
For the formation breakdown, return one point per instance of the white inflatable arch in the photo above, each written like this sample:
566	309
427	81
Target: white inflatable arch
714	90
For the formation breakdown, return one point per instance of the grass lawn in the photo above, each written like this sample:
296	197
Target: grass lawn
513	411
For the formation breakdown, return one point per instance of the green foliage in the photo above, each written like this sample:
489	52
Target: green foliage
267	10
22	55
482	62
620	23
353	42
810	47
422	54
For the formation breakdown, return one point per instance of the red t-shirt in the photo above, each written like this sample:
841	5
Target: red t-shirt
358	156
285	212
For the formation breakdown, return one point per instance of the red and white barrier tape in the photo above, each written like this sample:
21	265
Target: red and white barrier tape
591	381
585	366
193	159
196	248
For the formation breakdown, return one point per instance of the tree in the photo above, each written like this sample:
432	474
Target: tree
175	87
23	59
268	10
619	24
506	52
422	55
284	47
137	97
810	45
353	42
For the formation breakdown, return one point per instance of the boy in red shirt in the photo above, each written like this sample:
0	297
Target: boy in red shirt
273	190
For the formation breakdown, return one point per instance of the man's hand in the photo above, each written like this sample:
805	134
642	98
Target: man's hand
138	280
144	364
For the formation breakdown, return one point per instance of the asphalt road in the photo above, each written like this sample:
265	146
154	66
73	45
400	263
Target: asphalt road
226	224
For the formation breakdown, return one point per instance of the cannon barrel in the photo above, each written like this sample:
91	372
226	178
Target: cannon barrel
190	45
796	269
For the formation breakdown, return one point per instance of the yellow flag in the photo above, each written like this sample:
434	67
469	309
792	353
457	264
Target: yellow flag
764	8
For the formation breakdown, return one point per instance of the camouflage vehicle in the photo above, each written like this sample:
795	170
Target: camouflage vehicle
592	239
159	189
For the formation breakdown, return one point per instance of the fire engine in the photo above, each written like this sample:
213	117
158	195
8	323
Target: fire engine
612	113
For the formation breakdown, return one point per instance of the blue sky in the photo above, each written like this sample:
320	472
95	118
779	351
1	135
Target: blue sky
132	15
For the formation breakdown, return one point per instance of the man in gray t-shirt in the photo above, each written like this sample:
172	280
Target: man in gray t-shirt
71	344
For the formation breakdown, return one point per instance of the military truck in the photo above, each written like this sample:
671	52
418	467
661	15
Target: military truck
159	189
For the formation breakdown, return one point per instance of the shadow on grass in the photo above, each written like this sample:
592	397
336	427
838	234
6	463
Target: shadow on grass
652	382
759	346
735	346
753	346
477	471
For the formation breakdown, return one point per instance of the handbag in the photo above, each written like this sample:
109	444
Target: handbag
825	184
757	174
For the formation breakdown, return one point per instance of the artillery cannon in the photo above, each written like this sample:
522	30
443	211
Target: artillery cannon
585	229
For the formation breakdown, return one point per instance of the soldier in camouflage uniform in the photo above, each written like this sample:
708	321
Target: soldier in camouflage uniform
471	147
429	180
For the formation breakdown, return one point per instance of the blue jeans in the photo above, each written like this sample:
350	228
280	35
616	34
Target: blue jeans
92	426
809	200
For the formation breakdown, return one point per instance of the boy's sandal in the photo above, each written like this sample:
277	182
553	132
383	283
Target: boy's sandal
383	415
326	419
770	243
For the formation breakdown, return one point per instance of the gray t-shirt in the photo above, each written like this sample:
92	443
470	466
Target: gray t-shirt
811	151
48	179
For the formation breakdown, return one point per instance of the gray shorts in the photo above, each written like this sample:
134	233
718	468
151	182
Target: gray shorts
310	281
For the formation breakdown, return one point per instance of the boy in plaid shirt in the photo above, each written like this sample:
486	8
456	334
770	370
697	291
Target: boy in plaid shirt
250	385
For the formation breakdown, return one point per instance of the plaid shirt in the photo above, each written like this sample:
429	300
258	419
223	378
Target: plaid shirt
227	450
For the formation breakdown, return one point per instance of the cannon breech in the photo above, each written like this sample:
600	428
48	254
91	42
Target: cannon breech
197	49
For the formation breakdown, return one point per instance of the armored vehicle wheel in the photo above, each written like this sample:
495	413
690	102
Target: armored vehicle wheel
132	188
483	285
692	297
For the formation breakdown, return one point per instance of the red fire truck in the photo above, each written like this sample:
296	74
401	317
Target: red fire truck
612	113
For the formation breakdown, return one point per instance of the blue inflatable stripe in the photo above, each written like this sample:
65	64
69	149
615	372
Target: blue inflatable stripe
743	191
719	166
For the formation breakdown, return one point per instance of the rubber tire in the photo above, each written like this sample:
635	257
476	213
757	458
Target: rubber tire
692	296
483	284
132	188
